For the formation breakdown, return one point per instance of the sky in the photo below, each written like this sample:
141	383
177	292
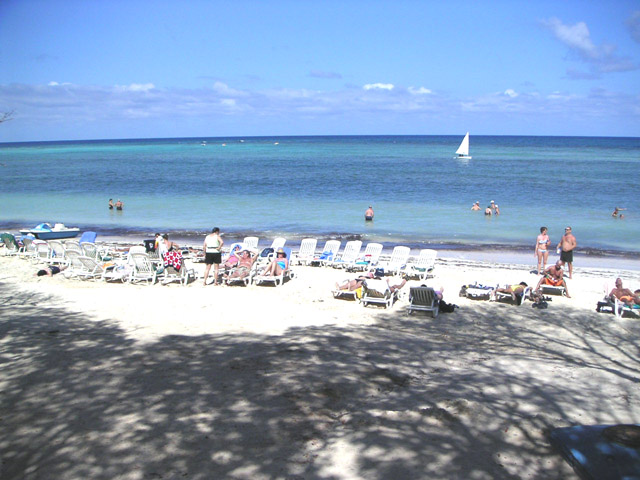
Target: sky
89	69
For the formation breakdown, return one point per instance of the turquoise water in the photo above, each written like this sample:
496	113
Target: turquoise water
320	186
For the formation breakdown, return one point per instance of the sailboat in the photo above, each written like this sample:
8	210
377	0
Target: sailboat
463	150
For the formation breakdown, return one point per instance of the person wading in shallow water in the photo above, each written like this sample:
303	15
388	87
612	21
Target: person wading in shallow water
368	215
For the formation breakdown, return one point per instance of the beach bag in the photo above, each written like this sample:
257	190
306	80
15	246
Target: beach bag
266	252
447	307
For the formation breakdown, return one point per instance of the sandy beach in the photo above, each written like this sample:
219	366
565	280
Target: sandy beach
116	381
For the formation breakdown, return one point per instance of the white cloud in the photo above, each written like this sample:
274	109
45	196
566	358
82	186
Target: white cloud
578	38
511	93
419	91
136	87
378	86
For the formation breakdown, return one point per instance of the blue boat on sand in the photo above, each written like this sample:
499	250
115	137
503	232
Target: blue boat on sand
45	231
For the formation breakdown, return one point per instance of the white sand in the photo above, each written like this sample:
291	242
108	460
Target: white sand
134	382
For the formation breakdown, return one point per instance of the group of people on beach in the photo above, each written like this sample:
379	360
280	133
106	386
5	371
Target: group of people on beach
240	261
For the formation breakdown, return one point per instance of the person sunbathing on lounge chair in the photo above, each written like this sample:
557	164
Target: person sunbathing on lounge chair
513	290
554	276
243	268
625	295
356	283
277	265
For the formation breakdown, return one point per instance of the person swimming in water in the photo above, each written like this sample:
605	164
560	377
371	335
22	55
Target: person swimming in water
368	215
119	205
111	204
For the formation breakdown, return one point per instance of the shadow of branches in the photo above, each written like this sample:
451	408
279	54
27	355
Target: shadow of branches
468	395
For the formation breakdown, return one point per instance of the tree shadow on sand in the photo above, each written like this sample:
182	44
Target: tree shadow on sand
468	395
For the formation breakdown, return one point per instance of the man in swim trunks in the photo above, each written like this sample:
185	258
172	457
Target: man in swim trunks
368	215
245	262
624	294
554	276
476	206
568	243
119	205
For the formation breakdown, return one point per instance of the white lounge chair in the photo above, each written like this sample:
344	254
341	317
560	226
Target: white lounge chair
307	251
183	276
87	268
503	296
286	274
377	291
398	260
369	259
423	299
250	242
349	255
424	265
56	253
329	252
141	269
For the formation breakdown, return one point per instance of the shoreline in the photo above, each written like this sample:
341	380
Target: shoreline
491	253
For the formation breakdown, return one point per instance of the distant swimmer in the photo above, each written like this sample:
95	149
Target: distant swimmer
476	206
368	215
119	205
495	208
488	211
616	212
111	204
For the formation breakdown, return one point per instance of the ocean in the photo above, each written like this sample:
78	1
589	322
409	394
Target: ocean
320	186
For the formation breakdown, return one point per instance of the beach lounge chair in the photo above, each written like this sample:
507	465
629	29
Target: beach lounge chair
28	249
552	289
11	246
141	269
377	291
349	255
506	297
424	265
369	259
182	274
397	261
87	268
250	242
330	250
423	299
41	251
307	251
245	280
72	246
276	279
88	237
56	252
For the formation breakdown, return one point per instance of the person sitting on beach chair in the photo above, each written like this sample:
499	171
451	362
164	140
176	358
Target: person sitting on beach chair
554	276
246	260
277	265
625	295
514	290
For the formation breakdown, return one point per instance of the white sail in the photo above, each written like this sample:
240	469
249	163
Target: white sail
463	150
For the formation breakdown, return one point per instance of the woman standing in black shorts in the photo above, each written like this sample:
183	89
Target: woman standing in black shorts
212	254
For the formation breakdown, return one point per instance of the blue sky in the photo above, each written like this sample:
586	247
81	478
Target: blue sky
138	69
